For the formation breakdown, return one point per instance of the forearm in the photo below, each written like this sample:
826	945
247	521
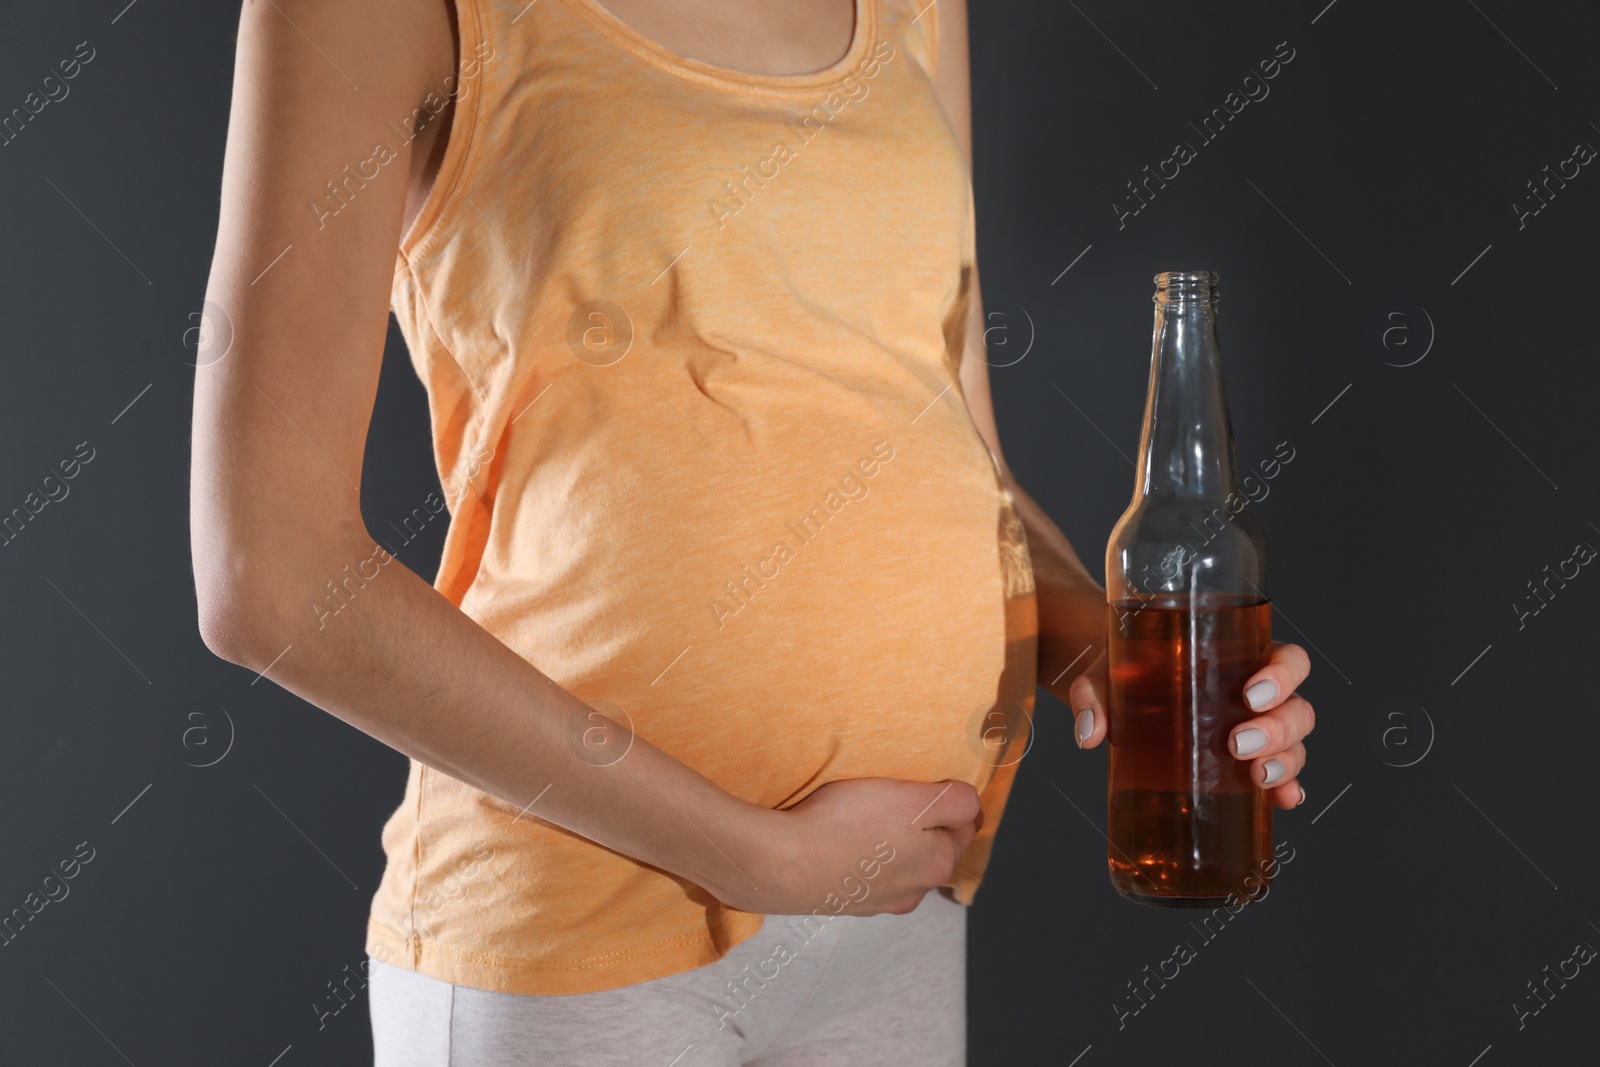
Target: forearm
403	664
1072	613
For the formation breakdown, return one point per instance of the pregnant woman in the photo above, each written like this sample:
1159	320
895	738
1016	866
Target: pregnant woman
716	698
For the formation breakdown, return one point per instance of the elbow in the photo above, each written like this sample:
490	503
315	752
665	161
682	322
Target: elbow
253	602
230	621
239	606
259	584
260	558
251	629
222	635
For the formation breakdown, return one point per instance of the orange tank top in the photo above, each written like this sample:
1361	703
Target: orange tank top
690	339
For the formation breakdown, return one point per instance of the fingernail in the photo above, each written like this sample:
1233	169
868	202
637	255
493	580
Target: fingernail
1274	771
1247	741
1302	796
1084	725
1261	694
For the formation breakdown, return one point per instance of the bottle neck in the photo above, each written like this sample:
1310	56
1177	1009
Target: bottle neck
1186	447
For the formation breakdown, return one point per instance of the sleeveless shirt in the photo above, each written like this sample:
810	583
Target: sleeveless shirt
690	340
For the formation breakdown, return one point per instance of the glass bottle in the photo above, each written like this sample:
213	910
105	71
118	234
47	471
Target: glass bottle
1189	622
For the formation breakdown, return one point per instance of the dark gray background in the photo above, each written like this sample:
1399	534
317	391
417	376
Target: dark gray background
1421	899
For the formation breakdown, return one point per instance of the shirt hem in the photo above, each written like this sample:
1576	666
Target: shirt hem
512	974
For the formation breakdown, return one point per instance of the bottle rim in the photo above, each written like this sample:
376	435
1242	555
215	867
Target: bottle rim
1186	287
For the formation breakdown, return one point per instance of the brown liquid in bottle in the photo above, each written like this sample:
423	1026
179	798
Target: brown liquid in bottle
1188	827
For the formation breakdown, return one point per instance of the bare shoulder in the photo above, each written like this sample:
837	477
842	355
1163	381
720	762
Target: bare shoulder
364	58
319	89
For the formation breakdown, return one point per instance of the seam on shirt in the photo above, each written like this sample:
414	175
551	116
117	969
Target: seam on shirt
480	405
420	299
461	521
416	868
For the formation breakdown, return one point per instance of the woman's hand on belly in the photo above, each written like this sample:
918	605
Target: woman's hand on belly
861	846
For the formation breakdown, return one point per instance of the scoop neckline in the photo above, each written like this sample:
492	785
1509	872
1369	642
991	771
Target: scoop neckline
726	77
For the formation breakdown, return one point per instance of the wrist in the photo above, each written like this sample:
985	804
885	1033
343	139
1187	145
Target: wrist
754	855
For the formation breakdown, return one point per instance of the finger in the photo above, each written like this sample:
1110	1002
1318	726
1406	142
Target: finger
963	835
1087	699
1278	768
1290	794
1273	731
1284	672
946	804
933	858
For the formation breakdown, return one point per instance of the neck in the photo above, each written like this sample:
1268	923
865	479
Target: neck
1186	448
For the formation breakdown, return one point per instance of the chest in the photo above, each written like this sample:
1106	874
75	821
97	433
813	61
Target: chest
778	37
605	137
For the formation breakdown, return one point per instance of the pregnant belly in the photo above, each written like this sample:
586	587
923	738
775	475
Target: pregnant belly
868	619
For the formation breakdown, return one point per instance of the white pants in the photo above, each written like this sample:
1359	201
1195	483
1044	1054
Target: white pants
883	990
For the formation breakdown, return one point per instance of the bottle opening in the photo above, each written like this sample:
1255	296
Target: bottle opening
1186	287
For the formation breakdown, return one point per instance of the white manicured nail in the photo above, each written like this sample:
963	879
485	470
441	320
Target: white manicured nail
1261	694
1247	741
1302	796
1274	771
1084	725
